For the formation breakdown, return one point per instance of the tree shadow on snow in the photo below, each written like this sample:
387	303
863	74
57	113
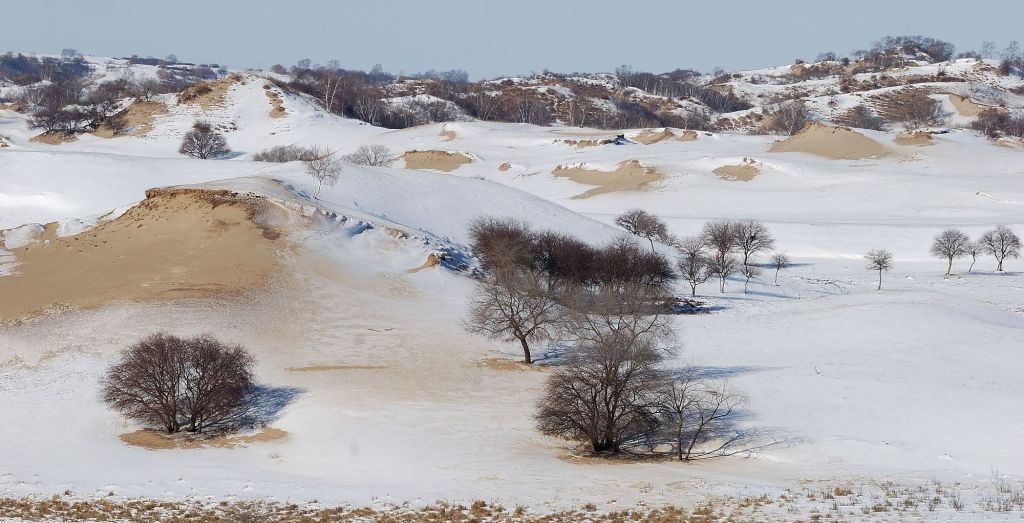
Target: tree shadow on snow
266	404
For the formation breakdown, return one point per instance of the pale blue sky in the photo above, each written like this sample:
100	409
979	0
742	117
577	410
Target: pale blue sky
495	38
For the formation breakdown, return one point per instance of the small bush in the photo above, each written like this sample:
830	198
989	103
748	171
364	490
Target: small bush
194	91
285	153
203	142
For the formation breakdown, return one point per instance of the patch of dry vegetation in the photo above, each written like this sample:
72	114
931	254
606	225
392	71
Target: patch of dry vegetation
137	119
276	102
208	94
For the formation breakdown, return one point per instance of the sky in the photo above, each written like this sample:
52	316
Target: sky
489	38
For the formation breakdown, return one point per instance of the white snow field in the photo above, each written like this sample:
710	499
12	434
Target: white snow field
384	398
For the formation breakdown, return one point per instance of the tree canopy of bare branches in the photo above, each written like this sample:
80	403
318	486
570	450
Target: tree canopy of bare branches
779	260
879	260
643	224
949	245
203	142
514	308
179	384
751	238
323	167
693	263
1001	243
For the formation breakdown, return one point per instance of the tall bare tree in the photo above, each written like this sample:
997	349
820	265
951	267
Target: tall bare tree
372	155
948	245
693	263
1001	243
323	168
973	249
749	271
780	260
751	238
643	224
722	268
513	308
879	260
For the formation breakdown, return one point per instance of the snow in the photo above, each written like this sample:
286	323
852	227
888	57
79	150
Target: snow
916	381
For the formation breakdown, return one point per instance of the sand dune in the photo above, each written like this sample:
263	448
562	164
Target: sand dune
837	143
744	172
915	138
650	136
966	106
176	243
437	160
630	175
138	119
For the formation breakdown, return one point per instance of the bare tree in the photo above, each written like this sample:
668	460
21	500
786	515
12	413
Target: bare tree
693	264
372	155
879	260
323	167
677	404
175	383
203	142
751	238
789	118
643	224
950	244
720	235
749	271
722	268
503	245
1001	243
711	409
780	260
514	308
973	249
606	392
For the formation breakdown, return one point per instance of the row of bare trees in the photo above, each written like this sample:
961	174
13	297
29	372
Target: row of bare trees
1001	243
606	307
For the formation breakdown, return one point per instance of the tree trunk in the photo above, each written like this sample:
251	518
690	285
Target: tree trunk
652	243
999	266
949	267
777	275
879	279
971	268
693	290
526	350
721	285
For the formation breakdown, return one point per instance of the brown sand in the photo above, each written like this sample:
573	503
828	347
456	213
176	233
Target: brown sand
432	261
584	142
687	136
504	167
331	368
837	143
966	106
743	172
915	138
650	136
157	440
630	175
176	243
276	103
139	117
437	160
447	135
507	364
214	96
54	138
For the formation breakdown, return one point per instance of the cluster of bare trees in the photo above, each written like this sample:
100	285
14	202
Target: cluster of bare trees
194	384
607	307
951	244
724	248
372	155
203	142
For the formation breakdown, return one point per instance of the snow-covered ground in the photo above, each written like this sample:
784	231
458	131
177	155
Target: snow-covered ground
384	397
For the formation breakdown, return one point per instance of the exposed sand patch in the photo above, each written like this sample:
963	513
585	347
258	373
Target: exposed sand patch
177	243
687	136
630	175
138	119
504	167
744	172
157	440
437	160
431	262
276	102
54	138
332	368
447	134
584	142
966	106
915	138
837	143
650	136
505	364
208	94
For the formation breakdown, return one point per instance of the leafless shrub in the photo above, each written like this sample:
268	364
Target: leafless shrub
643	224
323	168
913	108
948	245
180	383
789	118
203	142
879	260
1001	243
285	153
372	155
696	413
514	308
194	91
501	244
995	122
861	117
